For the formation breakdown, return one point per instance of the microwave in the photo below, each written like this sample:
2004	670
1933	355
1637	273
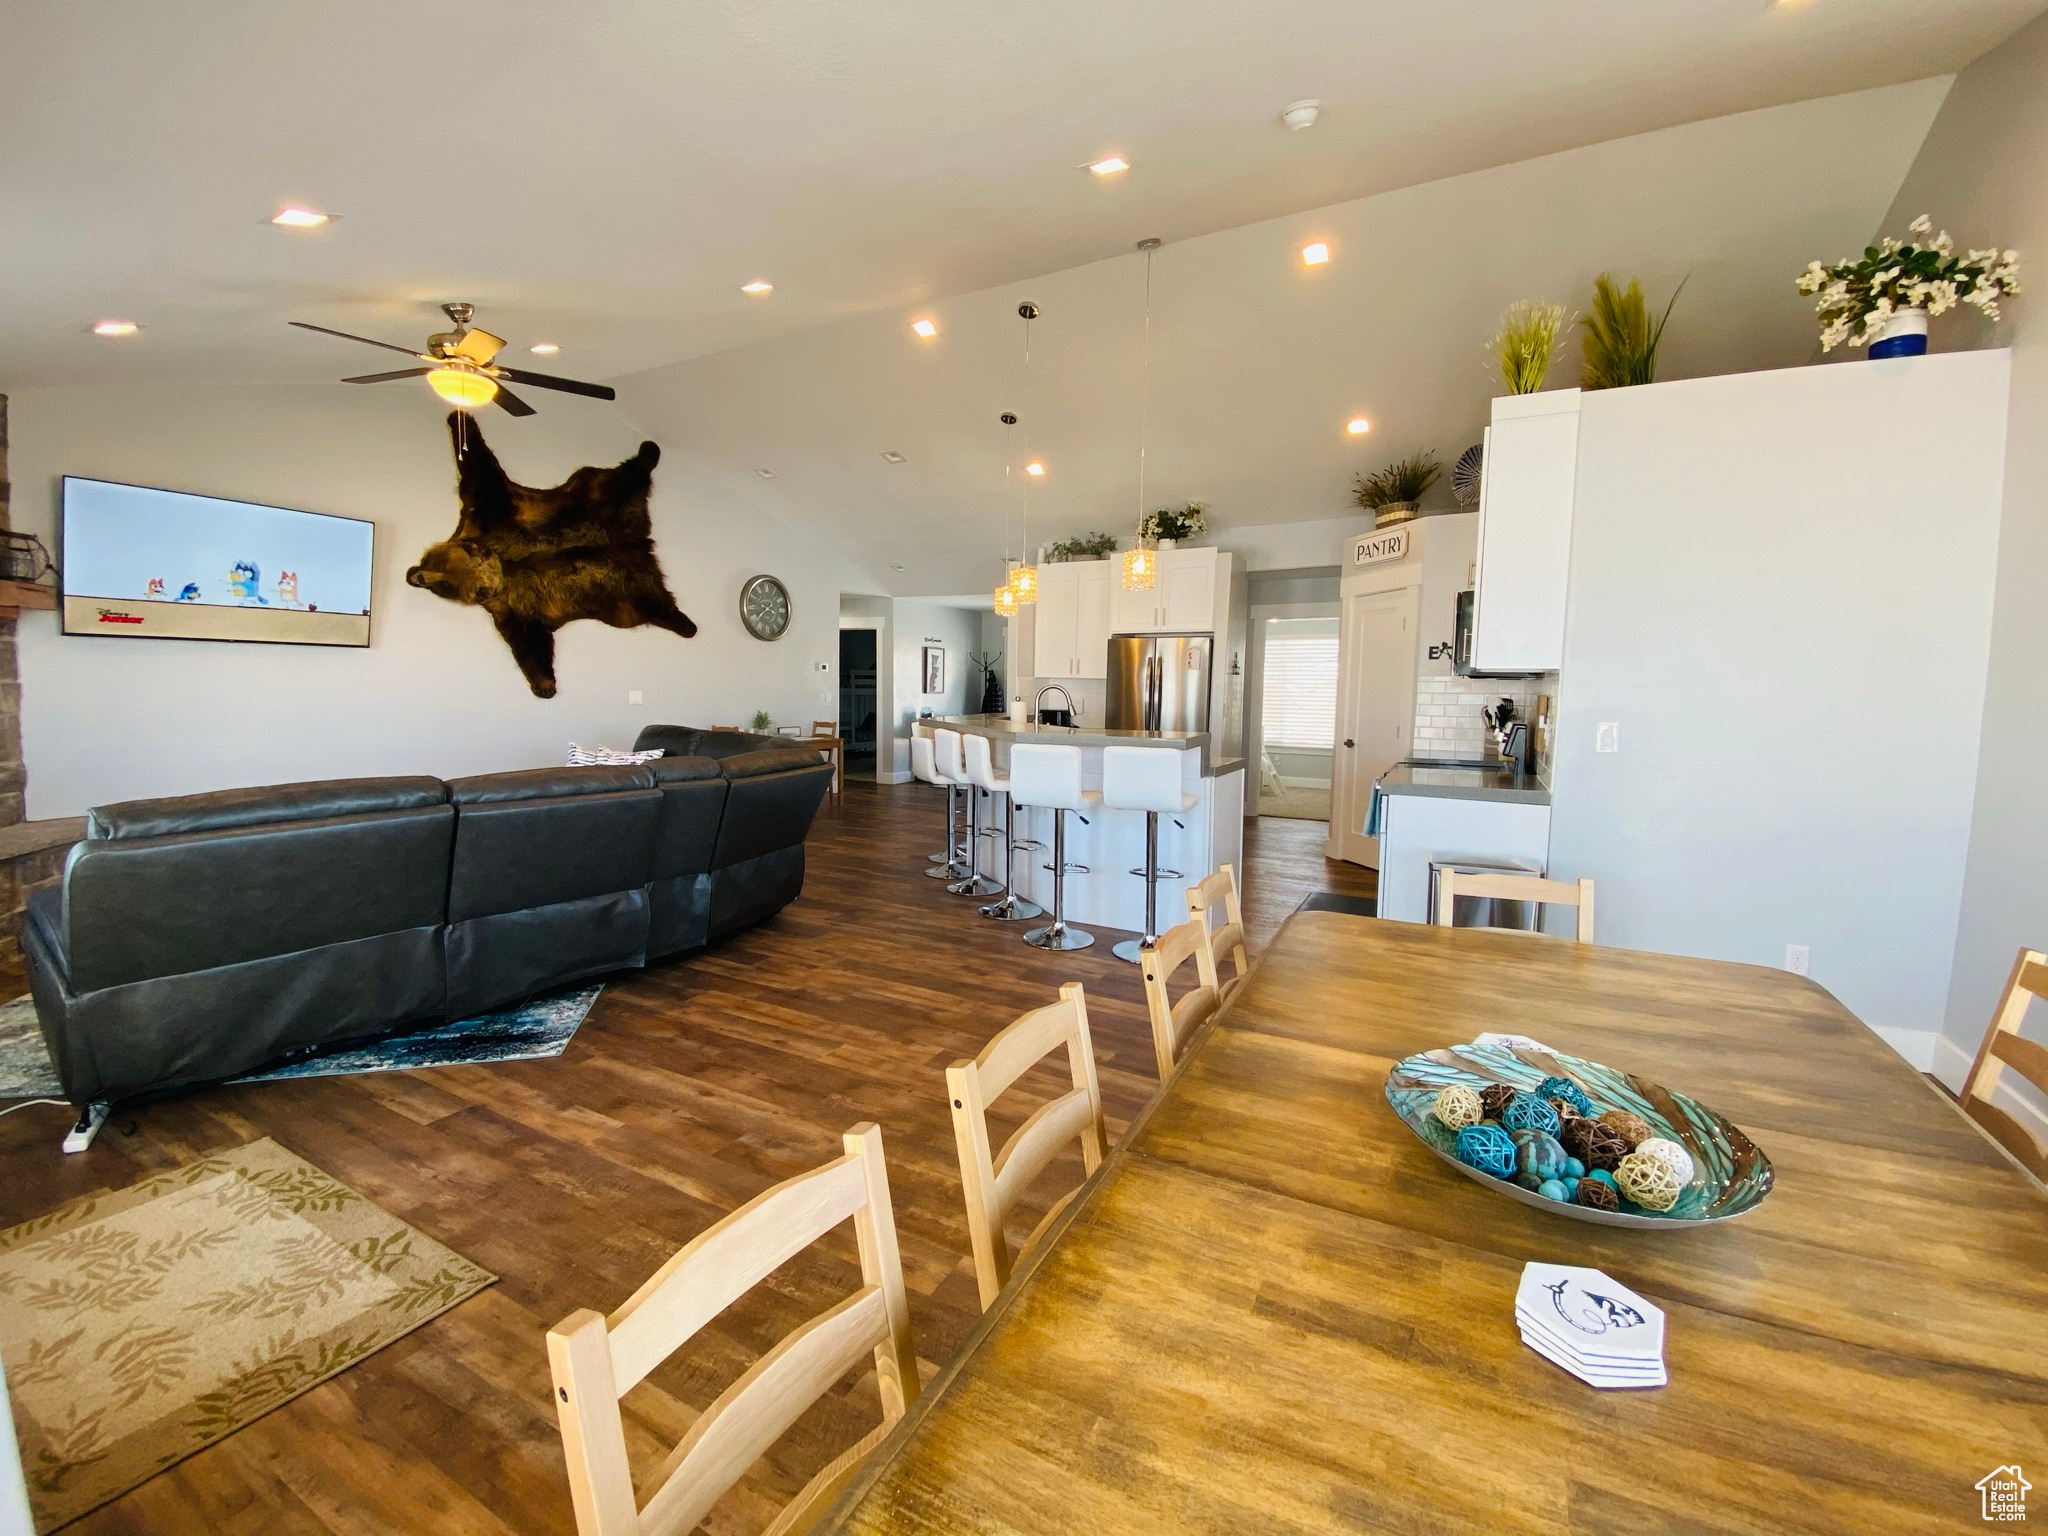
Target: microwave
1461	652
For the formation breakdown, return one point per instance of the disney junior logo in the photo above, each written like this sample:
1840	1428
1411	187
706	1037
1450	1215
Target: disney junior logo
2005	1495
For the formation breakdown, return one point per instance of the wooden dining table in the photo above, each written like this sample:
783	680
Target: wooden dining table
1274	1309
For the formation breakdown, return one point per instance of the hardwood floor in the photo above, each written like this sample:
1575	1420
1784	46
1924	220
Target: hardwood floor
688	1090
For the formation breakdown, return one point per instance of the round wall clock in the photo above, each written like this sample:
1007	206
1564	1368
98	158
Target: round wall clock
764	608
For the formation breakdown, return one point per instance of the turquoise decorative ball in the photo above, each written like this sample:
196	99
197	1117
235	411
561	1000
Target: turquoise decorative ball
1487	1148
1564	1088
1538	1158
1571	1185
1574	1169
1603	1176
1551	1189
1526	1112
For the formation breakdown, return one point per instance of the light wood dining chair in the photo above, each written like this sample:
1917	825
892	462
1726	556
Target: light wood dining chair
1173	1022
597	1359
993	1183
1220	889
824	727
2004	1046
1451	884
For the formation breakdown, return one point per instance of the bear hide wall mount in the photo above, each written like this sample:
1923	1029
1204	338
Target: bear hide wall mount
535	560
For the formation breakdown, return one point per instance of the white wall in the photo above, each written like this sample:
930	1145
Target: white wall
436	691
957	631
1781	591
1983	174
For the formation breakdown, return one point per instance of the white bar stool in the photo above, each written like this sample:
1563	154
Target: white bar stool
924	765
948	760
981	772
1051	776
1145	779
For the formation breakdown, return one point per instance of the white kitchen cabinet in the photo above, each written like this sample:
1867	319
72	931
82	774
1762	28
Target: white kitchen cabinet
1181	598
1525	532
1070	622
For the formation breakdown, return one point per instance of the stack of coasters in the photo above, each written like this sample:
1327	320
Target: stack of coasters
1594	1327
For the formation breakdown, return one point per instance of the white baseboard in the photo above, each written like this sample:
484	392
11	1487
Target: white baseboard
1916	1045
1952	1065
892	778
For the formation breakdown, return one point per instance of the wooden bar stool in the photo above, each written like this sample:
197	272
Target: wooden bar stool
1145	779
596	1359
1042	774
924	765
950	759
2004	1046
1220	889
993	1183
1173	1022
981	773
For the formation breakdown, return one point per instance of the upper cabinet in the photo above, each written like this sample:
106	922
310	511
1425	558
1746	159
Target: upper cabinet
1525	532
1070	621
1185	596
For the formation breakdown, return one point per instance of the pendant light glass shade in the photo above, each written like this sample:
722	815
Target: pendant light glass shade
1024	584
1141	568
1006	602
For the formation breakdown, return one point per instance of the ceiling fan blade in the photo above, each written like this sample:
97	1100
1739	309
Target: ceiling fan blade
511	403
479	346
549	381
344	335
379	378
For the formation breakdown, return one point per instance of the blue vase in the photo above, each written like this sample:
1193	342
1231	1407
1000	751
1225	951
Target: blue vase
1903	335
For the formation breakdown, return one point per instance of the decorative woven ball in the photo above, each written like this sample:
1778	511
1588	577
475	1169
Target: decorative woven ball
1593	1142
1537	1157
1564	1109
1458	1106
1648	1180
1526	1112
1564	1088
1633	1128
1596	1196
1494	1098
1489	1149
1669	1153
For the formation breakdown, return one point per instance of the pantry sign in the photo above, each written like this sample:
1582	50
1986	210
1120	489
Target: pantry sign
1378	548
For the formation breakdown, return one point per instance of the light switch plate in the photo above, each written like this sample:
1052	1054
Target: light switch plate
633	696
1607	737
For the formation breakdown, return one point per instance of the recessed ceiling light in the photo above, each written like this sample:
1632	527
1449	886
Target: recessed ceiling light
1110	166
116	328
925	328
1315	253
1034	468
757	287
1358	426
765	474
302	218
1301	114
544	348
893	456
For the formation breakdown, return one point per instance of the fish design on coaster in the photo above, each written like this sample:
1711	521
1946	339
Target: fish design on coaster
1604	1314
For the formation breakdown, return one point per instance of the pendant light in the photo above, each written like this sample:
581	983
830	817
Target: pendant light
1141	560
1024	575
1006	596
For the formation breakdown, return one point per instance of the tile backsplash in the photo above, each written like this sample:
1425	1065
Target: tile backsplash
1447	722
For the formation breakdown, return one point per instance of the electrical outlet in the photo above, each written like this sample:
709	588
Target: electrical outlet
633	696
1797	961
1608	737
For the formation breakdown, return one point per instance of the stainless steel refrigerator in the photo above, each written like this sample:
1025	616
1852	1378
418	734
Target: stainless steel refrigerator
1159	682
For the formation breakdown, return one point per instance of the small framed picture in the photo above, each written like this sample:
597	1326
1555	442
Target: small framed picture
789	730
935	669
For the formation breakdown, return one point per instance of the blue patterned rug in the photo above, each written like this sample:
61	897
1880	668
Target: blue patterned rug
542	1027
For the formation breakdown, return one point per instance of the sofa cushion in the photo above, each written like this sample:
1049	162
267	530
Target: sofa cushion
547	784
682	770
751	765
550	836
226	808
45	914
693	741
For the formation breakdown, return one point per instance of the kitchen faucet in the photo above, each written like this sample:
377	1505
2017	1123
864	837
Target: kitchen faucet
1073	709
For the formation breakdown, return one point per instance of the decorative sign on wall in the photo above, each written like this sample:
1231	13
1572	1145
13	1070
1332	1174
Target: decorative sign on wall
1377	548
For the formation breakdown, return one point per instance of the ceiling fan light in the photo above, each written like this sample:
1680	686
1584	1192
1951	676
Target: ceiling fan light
1141	569
462	388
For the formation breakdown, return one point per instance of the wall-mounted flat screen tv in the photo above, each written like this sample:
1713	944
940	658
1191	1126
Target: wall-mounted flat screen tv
141	561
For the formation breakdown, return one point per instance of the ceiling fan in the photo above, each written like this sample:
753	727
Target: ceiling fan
459	367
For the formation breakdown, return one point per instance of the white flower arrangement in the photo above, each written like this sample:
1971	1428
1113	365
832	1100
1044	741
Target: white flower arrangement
1855	299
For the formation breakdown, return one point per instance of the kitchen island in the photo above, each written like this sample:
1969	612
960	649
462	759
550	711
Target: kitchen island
1112	843
1427	812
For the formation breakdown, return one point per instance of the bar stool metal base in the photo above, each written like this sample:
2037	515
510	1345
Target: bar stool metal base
1012	909
978	885
1059	936
1132	950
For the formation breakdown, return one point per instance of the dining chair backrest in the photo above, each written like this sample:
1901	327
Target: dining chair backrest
923	764
1452	883
946	757
981	764
824	727
1044	774
1227	940
1173	1022
2004	1046
994	1181
596	1359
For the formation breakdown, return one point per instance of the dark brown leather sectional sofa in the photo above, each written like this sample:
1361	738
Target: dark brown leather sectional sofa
198	938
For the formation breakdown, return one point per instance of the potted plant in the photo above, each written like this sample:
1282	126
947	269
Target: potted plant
1525	343
1620	345
1167	527
1882	299
1393	494
1083	546
761	722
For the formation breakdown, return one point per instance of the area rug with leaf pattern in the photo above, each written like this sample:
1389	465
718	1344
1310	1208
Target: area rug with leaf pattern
141	1326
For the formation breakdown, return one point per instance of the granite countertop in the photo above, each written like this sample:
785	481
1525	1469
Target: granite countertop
1462	782
1003	728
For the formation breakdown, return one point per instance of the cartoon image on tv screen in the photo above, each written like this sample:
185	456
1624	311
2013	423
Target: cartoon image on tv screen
536	559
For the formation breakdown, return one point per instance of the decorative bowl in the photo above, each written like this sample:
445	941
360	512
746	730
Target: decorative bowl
1730	1177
